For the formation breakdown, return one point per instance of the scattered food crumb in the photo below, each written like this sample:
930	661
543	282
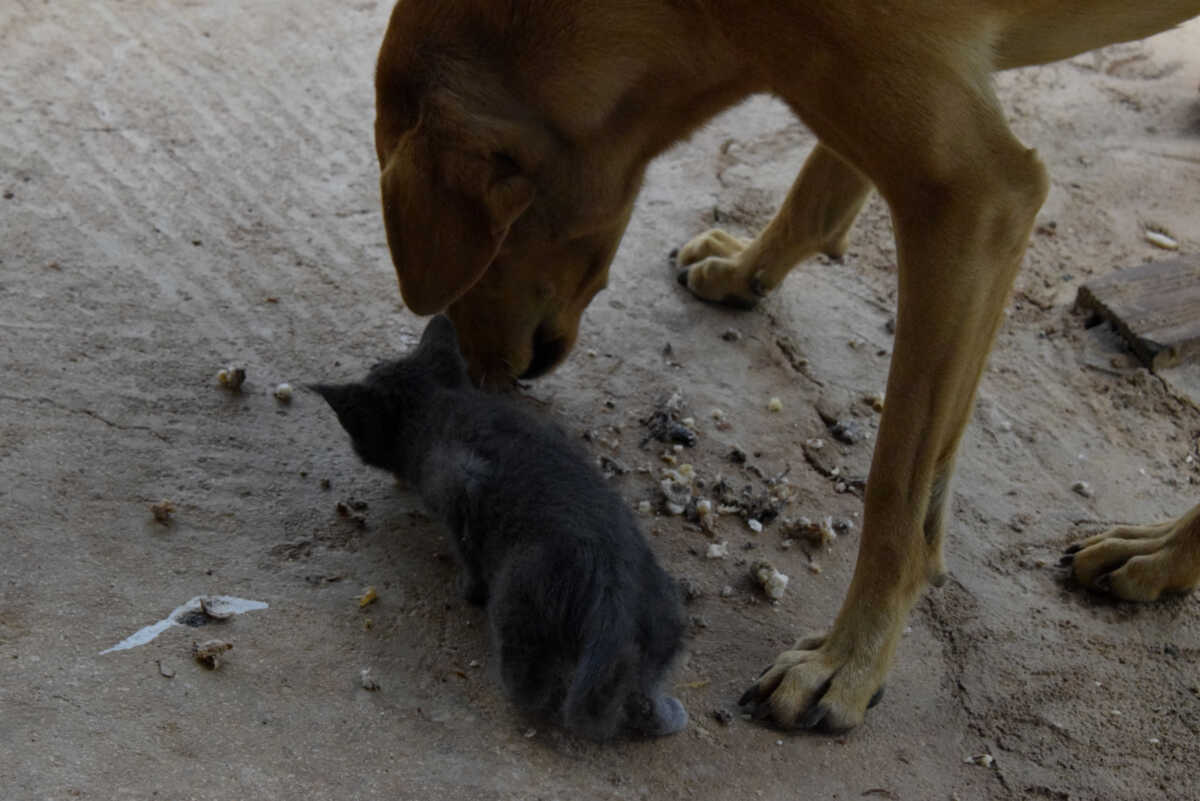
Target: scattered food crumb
983	760
718	550
771	580
368	597
368	681
231	377
704	507
162	511
875	401
209	653
775	405
1161	240
283	393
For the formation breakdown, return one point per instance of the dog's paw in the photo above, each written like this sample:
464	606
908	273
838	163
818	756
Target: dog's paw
818	685
1139	563
712	270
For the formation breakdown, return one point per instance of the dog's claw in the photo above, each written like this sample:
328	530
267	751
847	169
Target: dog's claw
813	717
1066	560
751	692
876	698
674	254
1074	548
682	277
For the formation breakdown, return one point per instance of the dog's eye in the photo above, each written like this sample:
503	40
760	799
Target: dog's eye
506	165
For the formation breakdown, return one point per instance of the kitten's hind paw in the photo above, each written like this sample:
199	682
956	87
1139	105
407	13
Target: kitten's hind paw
669	717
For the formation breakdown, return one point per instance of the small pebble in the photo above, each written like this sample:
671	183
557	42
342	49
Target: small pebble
775	405
644	507
722	716
367	681
983	760
368	597
731	335
162	511
727	591
755	525
704	507
283	393
1082	488
209	653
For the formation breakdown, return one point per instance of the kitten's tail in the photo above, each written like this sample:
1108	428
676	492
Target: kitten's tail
604	674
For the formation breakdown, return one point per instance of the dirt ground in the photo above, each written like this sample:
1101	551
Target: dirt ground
190	184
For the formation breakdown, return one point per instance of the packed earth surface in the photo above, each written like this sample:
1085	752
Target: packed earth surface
192	185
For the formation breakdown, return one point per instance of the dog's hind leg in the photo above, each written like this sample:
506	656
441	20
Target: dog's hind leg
964	194
1139	563
815	218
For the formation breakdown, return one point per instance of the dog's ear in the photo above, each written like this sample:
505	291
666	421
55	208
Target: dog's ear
447	210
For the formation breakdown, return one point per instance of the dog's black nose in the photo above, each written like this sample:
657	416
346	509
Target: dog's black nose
546	354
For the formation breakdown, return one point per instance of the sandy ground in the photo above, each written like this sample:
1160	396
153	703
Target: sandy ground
188	184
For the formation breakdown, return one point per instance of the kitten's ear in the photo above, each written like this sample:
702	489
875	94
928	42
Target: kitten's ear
352	404
439	345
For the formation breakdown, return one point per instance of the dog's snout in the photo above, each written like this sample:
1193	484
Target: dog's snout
548	350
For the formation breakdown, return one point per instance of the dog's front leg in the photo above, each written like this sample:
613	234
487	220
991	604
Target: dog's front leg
963	193
816	217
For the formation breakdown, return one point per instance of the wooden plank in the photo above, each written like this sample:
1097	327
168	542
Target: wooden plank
1155	307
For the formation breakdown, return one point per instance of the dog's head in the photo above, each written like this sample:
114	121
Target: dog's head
503	201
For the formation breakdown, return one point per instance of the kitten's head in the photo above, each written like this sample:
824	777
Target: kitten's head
372	410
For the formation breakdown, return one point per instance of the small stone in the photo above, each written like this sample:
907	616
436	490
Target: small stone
755	525
731	335
722	716
727	591
875	401
1082	488
283	392
983	760
775	405
704	507
209	653
718	414
737	455
644	508
368	597
368	681
847	431
162	511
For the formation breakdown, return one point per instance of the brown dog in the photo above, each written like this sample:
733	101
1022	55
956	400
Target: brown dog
513	136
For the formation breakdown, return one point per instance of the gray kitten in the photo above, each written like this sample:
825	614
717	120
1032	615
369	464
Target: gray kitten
583	620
